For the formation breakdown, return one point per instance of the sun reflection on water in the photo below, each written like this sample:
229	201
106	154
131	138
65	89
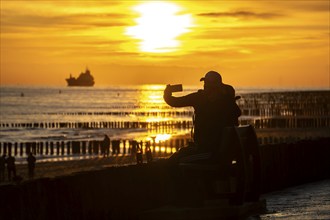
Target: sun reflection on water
162	137
152	95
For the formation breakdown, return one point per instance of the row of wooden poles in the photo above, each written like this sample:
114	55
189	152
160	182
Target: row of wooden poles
304	103
116	147
103	124
288	122
93	147
136	113
257	122
286	105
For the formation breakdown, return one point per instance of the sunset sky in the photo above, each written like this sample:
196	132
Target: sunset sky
251	43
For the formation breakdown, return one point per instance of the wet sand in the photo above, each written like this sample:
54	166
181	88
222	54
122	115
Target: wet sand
62	168
307	201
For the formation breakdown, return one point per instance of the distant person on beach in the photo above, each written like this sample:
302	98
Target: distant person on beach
115	144
148	152
2	167
11	167
106	145
215	108
31	164
139	154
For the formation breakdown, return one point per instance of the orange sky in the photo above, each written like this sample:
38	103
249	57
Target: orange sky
251	43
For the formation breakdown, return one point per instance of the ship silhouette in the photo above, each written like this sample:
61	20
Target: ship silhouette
84	79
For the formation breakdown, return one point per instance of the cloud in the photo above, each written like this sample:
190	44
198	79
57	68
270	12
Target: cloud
74	21
305	6
241	14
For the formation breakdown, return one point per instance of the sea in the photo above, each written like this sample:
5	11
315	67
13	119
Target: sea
21	105
34	113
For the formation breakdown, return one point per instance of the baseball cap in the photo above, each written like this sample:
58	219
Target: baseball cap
212	77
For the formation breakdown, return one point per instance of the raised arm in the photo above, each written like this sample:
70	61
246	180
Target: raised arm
183	101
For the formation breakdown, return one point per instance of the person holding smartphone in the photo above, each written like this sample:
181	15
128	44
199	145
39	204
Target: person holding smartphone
214	108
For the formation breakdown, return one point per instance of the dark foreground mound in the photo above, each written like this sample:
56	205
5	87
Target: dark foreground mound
125	192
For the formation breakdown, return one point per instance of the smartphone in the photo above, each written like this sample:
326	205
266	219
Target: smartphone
176	88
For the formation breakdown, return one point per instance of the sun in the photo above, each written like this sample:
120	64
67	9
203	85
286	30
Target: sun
159	26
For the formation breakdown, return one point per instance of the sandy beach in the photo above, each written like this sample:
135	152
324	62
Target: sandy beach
62	168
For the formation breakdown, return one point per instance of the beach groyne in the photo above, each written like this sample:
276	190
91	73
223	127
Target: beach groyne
287	109
123	192
165	147
122	147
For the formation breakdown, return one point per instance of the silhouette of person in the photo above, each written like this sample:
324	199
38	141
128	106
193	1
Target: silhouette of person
11	167
148	152
106	145
139	153
31	164
2	167
134	147
214	108
115	144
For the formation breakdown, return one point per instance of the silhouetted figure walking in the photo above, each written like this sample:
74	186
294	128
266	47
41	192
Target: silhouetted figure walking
2	167
148	152
105	145
31	164
11	167
133	147
215	108
139	153
115	144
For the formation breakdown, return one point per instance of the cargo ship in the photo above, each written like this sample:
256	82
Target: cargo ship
84	79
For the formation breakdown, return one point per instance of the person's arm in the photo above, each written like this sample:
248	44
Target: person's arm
183	101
